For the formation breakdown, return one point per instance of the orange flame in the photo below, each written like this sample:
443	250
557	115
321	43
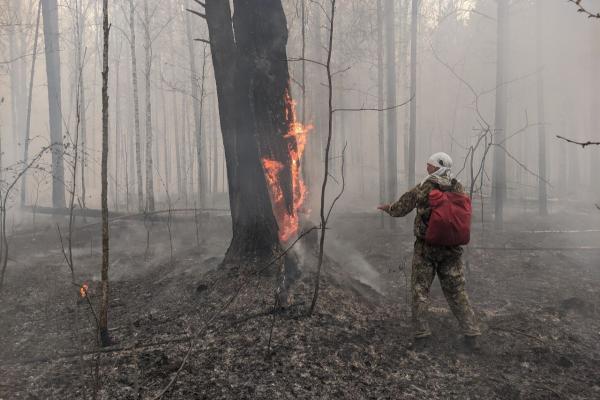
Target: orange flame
83	290
287	222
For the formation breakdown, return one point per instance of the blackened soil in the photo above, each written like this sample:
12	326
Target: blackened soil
538	307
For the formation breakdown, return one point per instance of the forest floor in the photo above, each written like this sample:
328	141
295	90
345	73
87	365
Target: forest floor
539	311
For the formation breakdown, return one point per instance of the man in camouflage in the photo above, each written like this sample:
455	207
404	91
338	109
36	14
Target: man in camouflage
428	259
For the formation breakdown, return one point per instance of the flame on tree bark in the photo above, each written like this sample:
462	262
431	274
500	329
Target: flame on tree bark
252	78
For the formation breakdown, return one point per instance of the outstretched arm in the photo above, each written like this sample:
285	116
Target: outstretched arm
403	206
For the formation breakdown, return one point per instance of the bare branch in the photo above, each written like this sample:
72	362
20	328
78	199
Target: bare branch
201	15
582	144
582	9
374	109
202	40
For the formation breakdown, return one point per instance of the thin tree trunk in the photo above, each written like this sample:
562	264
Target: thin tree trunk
103	328
184	150
118	133
30	97
499	177
197	105
177	134
149	133
380	115
136	109
543	195
51	35
392	115
83	110
412	139
166	149
215	134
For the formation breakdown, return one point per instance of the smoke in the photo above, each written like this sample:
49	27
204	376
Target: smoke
353	262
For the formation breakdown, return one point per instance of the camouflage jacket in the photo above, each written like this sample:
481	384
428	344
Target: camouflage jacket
418	197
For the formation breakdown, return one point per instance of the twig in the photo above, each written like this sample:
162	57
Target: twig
375	109
582	9
582	144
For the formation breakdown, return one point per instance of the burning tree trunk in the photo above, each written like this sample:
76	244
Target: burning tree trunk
103	328
257	122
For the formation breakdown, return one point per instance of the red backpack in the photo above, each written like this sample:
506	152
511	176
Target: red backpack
450	220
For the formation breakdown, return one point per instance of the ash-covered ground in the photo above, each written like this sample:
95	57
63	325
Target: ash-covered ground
535	288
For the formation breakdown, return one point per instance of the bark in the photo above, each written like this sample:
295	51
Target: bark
149	133
542	187
52	50
499	176
103	328
183	150
392	116
594	104
412	139
176	135
213	127
136	109
166	147
197	104
252	79
118	133
29	100
83	109
380	115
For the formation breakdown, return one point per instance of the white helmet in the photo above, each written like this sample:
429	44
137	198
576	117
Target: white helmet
440	160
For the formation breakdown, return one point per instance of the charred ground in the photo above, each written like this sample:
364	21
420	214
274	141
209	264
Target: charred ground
539	310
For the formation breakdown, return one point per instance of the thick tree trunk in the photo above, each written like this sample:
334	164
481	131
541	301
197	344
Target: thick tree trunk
542	187
499	177
51	35
252	105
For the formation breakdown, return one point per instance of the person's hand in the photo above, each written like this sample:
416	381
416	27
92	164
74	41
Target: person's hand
384	207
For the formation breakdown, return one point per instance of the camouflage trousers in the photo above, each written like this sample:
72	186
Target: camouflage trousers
447	263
